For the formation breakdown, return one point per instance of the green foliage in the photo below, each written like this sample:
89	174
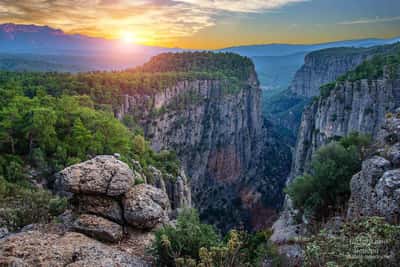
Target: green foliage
227	65
326	89
326	188
369	242
163	71
139	181
184	240
54	132
21	205
192	243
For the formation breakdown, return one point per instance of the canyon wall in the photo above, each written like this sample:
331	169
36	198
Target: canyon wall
358	106
236	167
325	66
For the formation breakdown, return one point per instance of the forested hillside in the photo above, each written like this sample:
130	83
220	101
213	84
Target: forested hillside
52	120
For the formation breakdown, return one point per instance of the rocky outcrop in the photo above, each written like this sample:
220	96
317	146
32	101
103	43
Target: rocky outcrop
375	190
358	106
105	199
39	248
325	66
107	207
217	131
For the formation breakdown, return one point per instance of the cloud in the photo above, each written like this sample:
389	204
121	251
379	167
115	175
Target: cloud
247	6
152	21
370	20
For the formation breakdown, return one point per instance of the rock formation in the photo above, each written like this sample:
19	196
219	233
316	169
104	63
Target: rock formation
375	190
106	206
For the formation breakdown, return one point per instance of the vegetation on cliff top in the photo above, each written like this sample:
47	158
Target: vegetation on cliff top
376	68
385	64
225	64
166	70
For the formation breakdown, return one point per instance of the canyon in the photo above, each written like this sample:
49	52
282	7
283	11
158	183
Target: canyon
233	162
224	145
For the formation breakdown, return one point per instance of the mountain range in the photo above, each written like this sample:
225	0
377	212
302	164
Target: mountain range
42	48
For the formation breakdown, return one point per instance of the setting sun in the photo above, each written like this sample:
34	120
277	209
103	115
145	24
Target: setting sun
128	37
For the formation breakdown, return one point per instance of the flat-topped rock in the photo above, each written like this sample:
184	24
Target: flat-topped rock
98	228
102	175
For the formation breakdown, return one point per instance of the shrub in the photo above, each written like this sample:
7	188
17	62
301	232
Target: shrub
139	181
22	205
184	240
192	243
326	89
327	184
57	205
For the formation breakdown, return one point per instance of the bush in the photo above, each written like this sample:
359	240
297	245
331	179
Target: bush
192	243
327	187
22	205
139	181
184	240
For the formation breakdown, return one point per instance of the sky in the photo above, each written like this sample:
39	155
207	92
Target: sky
211	24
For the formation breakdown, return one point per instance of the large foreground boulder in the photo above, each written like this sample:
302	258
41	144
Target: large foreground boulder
36	248
375	190
98	228
145	206
102	175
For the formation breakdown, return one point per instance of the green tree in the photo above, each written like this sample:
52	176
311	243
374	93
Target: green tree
40	128
81	139
327	186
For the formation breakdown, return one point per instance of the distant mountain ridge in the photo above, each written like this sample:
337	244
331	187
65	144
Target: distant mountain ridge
290	49
19	38
42	48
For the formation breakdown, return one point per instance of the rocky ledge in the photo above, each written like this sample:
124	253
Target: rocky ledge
110	222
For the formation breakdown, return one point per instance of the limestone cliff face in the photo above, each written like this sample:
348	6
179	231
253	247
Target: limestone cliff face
325	66
352	106
218	134
318	70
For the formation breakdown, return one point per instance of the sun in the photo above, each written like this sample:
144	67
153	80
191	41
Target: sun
128	37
